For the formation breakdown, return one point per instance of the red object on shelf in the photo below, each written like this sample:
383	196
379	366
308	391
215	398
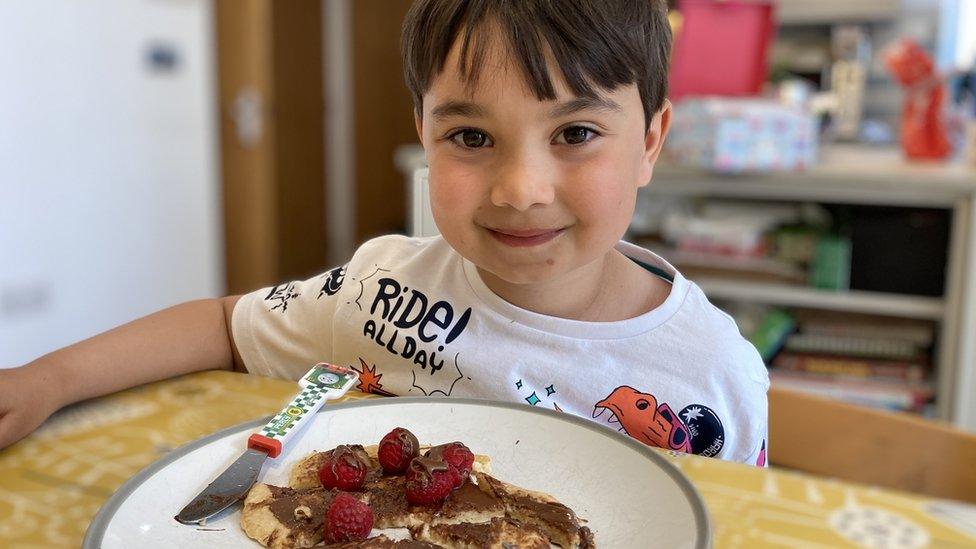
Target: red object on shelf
923	129
721	48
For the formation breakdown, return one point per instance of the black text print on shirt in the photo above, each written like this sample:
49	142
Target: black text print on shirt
417	329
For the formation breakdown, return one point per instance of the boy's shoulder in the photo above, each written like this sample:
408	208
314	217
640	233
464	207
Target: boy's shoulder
705	329
399	241
401	249
717	335
693	300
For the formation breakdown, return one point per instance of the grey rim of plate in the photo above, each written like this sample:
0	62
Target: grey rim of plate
96	530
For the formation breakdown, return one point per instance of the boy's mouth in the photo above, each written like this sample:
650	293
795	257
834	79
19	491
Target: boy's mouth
524	237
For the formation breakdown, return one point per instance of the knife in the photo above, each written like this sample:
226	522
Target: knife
323	382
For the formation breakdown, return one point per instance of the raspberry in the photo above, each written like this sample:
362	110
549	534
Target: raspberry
458	457
429	481
344	468
397	448
347	519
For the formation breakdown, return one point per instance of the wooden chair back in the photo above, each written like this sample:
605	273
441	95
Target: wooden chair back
890	449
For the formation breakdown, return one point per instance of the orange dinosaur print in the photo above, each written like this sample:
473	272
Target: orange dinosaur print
641	417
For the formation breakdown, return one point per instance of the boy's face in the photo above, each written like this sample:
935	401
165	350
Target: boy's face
531	191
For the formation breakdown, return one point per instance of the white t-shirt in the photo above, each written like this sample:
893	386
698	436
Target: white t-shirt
414	318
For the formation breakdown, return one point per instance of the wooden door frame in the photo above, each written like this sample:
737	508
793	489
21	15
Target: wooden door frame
269	64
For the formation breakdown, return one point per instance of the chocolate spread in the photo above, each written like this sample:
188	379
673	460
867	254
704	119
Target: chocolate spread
478	535
381	542
437	452
586	539
286	500
469	498
554	514
426	467
353	456
408	442
388	497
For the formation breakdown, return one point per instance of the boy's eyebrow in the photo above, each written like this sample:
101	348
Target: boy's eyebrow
584	103
457	108
473	110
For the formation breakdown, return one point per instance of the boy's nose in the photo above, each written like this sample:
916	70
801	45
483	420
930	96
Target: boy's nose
522	185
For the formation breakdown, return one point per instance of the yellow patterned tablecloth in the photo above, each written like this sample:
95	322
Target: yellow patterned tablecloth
53	482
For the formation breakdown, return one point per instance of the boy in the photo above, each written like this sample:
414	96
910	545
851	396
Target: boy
540	121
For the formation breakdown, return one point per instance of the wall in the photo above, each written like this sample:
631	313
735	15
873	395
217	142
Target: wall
108	186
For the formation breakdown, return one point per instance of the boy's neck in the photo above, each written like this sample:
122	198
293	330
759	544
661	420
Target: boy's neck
610	289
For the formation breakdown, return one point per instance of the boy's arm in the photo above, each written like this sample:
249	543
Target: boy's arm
189	337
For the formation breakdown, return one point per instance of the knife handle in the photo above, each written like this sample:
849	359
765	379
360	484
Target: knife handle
323	382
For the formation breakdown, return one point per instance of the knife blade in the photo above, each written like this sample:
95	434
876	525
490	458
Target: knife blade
223	492
323	382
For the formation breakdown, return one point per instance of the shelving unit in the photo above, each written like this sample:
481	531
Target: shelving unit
926	308
868	176
795	12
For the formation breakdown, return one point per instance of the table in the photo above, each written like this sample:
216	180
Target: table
53	482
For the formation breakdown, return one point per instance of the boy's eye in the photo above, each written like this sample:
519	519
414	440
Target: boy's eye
471	139
576	135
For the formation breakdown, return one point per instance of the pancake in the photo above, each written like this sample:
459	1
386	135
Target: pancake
538	509
499	533
282	518
380	542
483	512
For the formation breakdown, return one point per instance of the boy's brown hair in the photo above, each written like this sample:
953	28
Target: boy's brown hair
596	44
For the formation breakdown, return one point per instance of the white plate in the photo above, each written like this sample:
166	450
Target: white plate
630	496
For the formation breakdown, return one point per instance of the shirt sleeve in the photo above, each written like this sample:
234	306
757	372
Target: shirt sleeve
757	431
760	457
748	385
283	330
759	454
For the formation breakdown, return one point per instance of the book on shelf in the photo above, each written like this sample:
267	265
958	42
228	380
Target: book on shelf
851	367
870	346
831	323
704	263
892	395
831	265
769	330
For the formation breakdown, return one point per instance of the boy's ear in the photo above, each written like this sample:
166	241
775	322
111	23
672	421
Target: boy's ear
654	141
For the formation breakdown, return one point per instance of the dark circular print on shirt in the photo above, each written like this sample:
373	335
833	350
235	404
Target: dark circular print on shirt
707	433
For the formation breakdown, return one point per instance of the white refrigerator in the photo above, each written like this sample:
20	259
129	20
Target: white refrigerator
109	186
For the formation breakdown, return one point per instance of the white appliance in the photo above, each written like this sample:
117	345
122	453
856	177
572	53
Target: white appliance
109	197
412	163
